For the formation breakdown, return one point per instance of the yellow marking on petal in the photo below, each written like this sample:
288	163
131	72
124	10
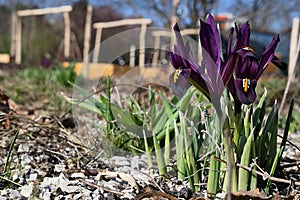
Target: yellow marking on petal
246	84
177	74
246	48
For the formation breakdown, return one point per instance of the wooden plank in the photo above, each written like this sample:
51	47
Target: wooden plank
87	32
67	35
44	11
13	35
123	22
156	49
132	56
142	45
97	45
18	40
162	33
293	45
190	31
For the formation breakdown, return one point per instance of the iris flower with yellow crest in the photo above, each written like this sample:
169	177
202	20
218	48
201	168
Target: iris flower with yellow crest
239	71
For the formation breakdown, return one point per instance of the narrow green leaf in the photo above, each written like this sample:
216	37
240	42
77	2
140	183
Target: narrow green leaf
148	153
287	126
167	145
159	156
272	138
259	114
179	141
124	119
282	146
272	171
253	176
265	137
245	161
168	109
9	154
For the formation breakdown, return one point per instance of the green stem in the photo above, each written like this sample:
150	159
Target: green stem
7	163
159	156
108	109
214	164
231	182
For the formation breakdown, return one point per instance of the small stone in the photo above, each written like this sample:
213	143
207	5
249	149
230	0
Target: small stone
112	185
14	194
23	148
26	159
68	149
78	175
126	169
77	196
120	161
41	173
135	162
45	195
128	195
59	168
32	177
26	190
98	177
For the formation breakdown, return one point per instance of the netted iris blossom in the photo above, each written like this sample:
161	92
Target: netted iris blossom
249	67
210	78
240	70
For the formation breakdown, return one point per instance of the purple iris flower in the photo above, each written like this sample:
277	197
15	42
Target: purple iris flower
216	74
248	67
213	76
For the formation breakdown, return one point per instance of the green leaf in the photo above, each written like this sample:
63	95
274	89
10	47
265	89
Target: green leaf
159	156
287	126
264	139
259	113
185	101
179	141
124	119
167	152
245	161
272	126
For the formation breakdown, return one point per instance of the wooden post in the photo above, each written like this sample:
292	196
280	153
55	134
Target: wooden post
164	48
87	33
132	56
67	35
13	36
142	45
97	45
18	40
293	58
173	21
156	50
293	44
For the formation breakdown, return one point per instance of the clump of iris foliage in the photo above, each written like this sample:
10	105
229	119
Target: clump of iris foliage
222	138
39	84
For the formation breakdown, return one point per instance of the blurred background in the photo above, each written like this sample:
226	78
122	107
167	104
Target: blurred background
43	36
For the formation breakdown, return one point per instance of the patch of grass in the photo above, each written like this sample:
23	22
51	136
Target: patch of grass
39	89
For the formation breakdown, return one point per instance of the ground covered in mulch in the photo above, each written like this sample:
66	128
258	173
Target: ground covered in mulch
43	157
